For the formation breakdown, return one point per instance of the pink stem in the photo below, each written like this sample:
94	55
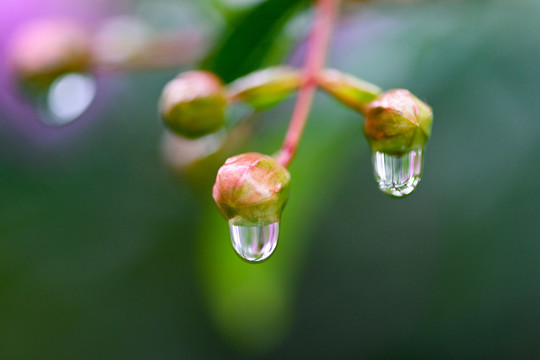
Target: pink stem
317	47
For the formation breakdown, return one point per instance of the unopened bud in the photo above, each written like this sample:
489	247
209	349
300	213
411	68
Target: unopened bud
266	88
44	50
193	104
397	122
251	189
348	89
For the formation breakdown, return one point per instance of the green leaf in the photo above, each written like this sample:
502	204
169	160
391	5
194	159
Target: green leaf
247	300
244	47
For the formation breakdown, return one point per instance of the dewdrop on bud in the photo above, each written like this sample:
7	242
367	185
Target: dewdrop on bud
51	61
193	104
251	191
397	127
265	88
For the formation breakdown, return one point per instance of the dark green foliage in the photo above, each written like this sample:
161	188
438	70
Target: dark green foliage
243	47
101	251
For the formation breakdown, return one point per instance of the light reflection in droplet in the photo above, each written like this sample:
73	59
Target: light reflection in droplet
254	243
398	175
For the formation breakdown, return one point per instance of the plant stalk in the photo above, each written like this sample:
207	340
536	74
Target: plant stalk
325	14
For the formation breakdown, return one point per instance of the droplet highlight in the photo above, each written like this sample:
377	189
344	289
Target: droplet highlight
64	100
254	243
398	176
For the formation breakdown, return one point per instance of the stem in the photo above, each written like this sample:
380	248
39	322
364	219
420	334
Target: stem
325	13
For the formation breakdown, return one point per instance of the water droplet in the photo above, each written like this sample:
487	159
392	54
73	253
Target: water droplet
65	100
254	243
398	175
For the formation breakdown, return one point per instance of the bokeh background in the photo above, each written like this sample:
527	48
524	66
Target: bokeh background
108	253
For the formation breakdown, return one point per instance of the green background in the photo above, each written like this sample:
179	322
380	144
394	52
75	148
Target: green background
106	254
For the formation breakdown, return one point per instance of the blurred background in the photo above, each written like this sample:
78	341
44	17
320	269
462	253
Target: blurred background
110	250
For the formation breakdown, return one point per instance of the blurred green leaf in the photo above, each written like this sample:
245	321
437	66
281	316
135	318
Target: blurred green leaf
252	304
102	255
244	47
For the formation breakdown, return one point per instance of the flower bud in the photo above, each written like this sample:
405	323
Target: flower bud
348	89
251	189
266	88
397	122
44	50
193	104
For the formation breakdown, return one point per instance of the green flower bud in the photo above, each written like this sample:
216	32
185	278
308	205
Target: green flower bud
397	122
44	50
193	104
348	89
251	189
266	88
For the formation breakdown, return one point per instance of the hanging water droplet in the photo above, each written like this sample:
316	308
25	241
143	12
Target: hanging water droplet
254	243
64	100
398	175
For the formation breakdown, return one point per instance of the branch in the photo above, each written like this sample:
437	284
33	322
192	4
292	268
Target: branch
326	11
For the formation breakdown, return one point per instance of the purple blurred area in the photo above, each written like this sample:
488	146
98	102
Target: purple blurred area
17	118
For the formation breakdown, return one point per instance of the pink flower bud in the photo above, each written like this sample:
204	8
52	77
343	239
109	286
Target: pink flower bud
44	50
193	104
251	189
397	122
